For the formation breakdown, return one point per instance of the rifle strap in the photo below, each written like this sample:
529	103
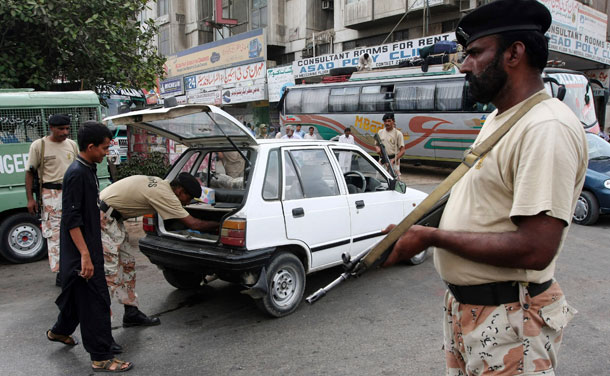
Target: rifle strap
470	159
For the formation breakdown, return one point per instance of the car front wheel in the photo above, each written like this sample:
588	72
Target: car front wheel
418	258
587	209
285	284
21	239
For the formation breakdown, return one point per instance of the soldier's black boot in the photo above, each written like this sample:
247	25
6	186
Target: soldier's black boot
134	317
116	348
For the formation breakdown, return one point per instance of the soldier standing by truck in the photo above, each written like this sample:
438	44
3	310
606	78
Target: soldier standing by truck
49	158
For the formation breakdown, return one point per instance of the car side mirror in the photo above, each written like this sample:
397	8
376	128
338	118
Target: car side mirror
398	186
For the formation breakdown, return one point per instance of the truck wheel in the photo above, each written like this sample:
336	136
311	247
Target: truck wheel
21	239
286	285
587	209
418	258
183	280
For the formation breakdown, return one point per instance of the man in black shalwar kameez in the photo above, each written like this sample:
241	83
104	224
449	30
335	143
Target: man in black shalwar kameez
84	297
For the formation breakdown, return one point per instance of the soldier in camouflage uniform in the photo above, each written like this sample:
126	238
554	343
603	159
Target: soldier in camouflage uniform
59	153
132	197
507	217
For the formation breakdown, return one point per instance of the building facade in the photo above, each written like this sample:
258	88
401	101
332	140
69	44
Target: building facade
293	34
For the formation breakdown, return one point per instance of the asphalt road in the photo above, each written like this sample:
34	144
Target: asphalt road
385	323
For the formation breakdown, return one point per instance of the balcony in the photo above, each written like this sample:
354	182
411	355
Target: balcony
360	14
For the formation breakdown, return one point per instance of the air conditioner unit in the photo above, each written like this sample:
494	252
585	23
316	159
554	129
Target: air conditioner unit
327	4
467	5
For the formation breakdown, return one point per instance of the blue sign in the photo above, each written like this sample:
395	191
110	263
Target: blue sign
172	87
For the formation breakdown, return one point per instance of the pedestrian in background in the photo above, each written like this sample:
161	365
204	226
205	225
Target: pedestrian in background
84	297
291	134
345	157
299	132
59	152
507	218
393	141
311	135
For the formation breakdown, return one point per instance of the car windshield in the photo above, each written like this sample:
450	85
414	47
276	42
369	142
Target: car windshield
598	147
199	125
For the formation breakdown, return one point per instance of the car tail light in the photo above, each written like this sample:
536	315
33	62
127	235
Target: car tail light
148	223
233	232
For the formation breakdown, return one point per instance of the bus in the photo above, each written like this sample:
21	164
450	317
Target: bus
438	118
24	115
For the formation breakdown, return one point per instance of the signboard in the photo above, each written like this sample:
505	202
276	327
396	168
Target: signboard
277	81
578	30
227	77
383	56
602	75
205	97
237	50
243	94
171	87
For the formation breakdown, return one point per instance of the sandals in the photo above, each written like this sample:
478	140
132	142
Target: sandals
111	365
66	340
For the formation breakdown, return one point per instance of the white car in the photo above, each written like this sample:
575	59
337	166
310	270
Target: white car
286	208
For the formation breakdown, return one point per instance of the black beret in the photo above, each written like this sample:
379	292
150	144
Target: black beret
389	115
59	119
190	184
502	16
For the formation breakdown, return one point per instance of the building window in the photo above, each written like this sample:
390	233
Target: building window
162	7
449	26
164	48
259	14
205	10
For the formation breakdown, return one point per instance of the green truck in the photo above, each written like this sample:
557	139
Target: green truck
23	118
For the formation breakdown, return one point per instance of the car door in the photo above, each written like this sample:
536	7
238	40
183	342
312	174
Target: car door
315	211
372	204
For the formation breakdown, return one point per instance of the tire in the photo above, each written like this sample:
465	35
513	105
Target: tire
182	280
21	239
587	209
418	258
286	285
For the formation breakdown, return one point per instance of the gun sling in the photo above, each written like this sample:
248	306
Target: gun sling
382	249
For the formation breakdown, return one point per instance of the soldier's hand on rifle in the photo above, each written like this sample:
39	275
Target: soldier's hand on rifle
415	240
32	207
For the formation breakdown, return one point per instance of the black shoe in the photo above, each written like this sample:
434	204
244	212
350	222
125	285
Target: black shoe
57	280
116	348
134	317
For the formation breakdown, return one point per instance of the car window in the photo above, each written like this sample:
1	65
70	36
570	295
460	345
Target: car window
272	176
308	174
360	174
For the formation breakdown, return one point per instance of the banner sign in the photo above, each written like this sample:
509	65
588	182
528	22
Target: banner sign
237	50
383	56
243	94
205	97
277	81
242	74
578	30
171	87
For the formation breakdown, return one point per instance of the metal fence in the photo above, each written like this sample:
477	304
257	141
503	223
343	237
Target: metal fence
26	125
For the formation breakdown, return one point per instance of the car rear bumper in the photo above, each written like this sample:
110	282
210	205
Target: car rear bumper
197	257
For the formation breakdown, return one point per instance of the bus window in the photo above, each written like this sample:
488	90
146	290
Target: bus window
343	99
315	101
293	101
419	96
449	96
374	99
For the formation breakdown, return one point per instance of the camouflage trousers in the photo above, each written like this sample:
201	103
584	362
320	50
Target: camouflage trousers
521	338
119	262
50	221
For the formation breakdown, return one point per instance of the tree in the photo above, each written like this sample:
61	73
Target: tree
93	43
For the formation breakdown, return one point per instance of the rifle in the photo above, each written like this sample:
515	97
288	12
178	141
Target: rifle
384	156
429	211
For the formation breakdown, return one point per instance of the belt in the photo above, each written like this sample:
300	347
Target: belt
52	186
113	213
391	156
493	294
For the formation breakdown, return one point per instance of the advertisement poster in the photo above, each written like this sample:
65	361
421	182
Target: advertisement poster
578	30
383	56
243	94
243	74
277	81
237	50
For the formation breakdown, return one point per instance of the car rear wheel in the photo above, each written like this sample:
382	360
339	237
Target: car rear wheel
418	258
587	209
182	280
21	239
285	284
